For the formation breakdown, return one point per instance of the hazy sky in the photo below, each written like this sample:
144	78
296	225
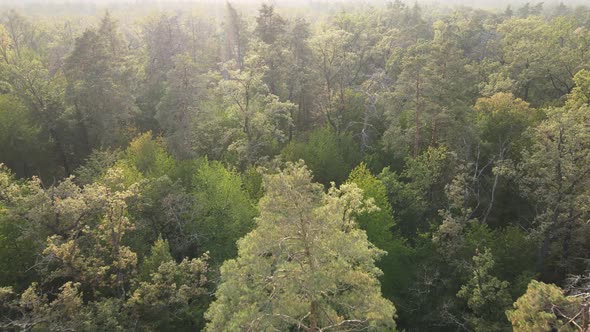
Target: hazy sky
290	3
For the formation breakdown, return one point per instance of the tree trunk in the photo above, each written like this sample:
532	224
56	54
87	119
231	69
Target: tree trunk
313	317
60	151
554	221
369	108
417	118
565	245
584	316
83	129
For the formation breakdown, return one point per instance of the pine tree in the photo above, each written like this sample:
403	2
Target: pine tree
486	295
99	86
307	266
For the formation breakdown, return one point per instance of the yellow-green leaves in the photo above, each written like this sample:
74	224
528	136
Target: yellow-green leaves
544	307
486	295
306	264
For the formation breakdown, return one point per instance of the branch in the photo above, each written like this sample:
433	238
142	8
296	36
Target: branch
344	322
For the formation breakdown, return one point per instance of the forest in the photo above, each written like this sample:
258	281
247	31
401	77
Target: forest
310	167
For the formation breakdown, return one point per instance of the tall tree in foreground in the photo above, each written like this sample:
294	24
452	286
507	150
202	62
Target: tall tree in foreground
306	267
546	307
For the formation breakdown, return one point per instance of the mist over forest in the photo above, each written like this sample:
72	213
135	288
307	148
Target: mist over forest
250	5
313	165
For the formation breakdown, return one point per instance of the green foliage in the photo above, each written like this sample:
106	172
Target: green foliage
502	120
36	311
330	156
377	224
553	174
407	203
20	137
542	56
292	267
159	254
164	209
148	156
172	299
17	254
179	107
17	250
253	184
258	120
542	308
224	210
85	255
427	169
99	84
486	295
90	250
476	120
96	165
514	252
413	193
434	89
579	95
379	227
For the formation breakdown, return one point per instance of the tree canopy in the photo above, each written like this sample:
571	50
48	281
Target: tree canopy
294	166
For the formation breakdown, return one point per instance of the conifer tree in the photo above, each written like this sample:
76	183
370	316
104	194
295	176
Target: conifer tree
307	266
